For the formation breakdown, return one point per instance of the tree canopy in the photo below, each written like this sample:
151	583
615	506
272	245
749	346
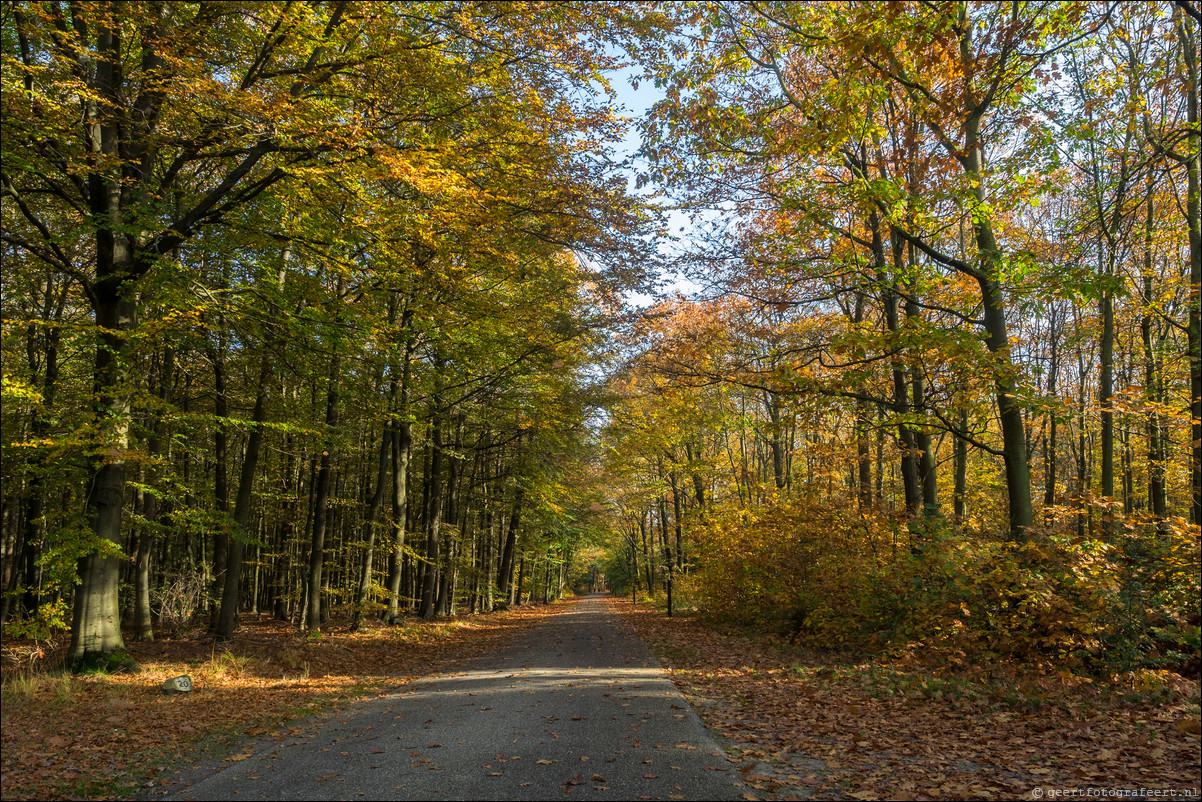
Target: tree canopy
314	307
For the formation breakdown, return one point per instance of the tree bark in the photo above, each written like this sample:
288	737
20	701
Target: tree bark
960	466
96	623
433	514
669	563
1049	478
1187	31
516	591
312	618
231	589
507	553
901	391
772	405
1158	500
369	529
997	340
221	492
927	476
152	507
402	446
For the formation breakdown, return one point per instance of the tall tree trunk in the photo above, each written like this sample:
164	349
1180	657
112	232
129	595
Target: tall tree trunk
53	305
775	441
444	605
313	608
997	340
1128	465
95	620
433	514
402	447
669	563
647	561
925	457
221	492
13	534
152	507
507	553
960	466
490	559
1158	500
1106	378
516	591
231	591
1049	479
1082	455
677	524
696	474
901	391
1187	31
863	455
634	569
369	529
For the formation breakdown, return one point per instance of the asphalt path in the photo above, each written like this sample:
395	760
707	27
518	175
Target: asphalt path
575	708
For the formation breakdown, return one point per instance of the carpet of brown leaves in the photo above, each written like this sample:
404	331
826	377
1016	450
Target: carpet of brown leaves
813	728
106	736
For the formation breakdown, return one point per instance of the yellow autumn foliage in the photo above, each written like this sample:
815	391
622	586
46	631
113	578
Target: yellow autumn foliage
836	577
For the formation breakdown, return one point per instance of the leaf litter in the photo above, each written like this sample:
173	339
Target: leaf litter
818	727
112	736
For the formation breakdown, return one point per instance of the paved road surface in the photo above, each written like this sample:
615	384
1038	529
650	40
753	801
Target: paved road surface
576	708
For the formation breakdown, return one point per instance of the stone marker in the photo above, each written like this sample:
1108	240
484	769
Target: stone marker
178	685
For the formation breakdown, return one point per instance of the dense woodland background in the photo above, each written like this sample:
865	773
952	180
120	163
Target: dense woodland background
325	307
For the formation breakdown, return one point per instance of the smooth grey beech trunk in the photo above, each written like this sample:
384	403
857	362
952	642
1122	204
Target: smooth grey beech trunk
96	623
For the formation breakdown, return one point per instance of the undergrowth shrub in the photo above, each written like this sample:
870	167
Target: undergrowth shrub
176	599
1123	594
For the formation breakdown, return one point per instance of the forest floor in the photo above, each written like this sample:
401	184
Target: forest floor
801	725
812	726
112	736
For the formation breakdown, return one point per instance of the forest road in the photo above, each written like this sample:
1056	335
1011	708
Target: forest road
575	708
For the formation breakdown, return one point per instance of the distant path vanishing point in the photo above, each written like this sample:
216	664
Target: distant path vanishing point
575	708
